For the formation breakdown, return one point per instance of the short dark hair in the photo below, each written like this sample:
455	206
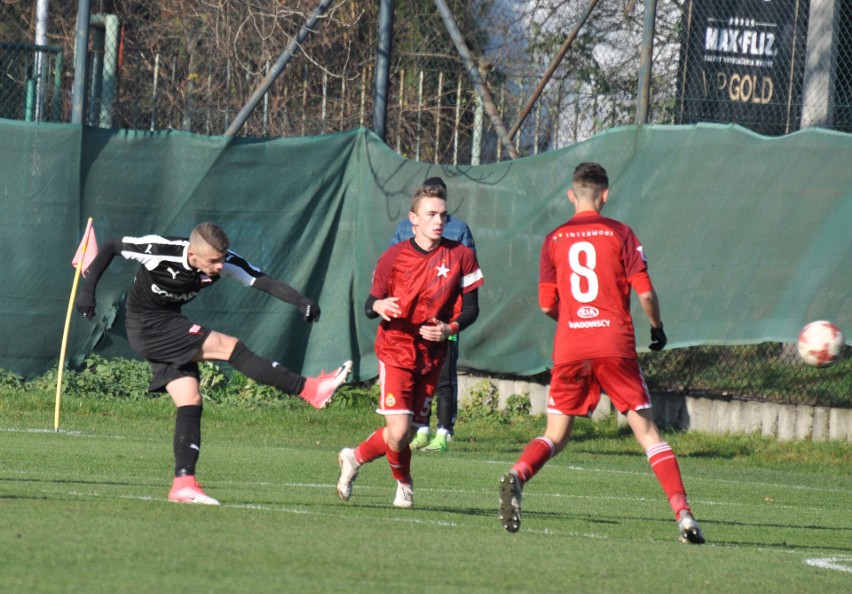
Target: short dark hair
434	181
212	234
590	175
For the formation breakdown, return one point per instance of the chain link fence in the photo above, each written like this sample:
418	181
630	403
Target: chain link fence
31	82
175	64
769	372
557	72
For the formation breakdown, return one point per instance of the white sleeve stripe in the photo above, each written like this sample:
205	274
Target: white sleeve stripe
472	278
238	273
157	239
150	262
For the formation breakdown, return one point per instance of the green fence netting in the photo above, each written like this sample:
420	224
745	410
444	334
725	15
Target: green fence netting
748	237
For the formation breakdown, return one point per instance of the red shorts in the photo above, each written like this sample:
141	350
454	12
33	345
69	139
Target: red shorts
405	392
575	387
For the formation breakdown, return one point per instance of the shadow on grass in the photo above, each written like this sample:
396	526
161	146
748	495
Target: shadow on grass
81	482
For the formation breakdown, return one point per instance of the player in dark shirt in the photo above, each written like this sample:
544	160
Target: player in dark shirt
173	272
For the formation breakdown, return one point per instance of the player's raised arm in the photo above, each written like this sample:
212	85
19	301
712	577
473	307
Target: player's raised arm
309	308
238	268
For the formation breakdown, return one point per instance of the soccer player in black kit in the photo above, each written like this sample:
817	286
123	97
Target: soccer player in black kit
173	271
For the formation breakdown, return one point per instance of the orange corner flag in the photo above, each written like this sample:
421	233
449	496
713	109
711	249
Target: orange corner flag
87	250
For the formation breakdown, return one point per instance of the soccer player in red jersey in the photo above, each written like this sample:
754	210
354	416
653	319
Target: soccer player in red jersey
587	267
416	287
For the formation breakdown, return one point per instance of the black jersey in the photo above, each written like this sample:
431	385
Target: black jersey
165	280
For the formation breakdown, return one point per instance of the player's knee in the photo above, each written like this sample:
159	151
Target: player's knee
397	440
219	346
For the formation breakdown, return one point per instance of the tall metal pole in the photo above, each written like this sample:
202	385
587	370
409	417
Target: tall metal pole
41	58
384	50
646	58
549	74
820	82
276	70
107	70
81	50
476	77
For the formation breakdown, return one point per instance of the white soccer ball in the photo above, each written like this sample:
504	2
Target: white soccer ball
821	343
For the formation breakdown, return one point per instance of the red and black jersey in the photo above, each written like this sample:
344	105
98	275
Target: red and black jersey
588	262
165	280
428	285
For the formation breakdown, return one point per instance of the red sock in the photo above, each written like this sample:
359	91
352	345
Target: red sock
371	448
664	464
534	456
400	463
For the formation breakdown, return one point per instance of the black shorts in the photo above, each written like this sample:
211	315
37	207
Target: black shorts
168	341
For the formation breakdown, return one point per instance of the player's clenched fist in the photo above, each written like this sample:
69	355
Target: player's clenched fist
85	304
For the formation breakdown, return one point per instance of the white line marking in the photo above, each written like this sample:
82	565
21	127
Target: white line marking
289	510
839	563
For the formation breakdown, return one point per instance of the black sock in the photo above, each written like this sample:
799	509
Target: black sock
265	371
187	440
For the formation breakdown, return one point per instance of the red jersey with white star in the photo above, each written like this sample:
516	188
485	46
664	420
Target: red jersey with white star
428	285
589	259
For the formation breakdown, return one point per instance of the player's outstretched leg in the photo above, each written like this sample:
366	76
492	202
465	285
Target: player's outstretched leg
185	489
319	390
349	468
690	531
510	501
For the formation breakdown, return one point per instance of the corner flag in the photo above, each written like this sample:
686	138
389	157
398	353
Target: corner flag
87	250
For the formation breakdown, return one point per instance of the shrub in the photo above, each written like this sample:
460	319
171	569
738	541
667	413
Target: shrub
483	403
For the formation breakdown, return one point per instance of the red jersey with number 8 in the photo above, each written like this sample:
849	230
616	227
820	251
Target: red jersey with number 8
589	260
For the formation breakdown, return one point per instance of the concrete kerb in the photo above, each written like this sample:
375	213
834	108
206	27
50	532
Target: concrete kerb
784	422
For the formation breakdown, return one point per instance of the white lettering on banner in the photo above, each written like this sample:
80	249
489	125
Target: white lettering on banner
734	40
589	324
173	296
746	87
739	61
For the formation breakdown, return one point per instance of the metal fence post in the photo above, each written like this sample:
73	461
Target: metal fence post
81	47
820	64
41	59
384	48
646	57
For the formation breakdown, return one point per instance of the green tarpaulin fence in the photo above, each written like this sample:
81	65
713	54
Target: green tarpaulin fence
748	238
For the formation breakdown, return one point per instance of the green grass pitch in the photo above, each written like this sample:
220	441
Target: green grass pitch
85	510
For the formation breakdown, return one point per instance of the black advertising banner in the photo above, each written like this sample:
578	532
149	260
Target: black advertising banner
742	61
